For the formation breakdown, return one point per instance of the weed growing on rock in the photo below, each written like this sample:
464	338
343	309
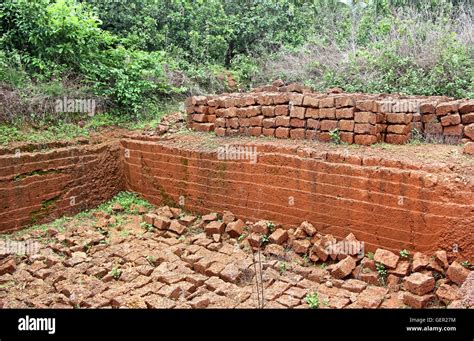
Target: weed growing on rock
382	271
416	137
335	136
313	300
129	202
147	227
282	267
151	259
404	253
115	272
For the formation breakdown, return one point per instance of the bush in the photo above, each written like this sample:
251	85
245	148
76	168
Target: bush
11	70
52	38
407	50
65	41
131	78
245	69
135	53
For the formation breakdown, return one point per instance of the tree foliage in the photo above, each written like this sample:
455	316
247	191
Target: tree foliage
134	52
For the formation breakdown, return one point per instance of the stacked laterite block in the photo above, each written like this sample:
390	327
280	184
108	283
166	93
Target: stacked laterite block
431	124
203	117
399	127
356	118
365	119
400	120
345	116
297	118
450	121
466	110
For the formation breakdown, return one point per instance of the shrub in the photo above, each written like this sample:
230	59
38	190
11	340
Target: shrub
137	52
404	49
52	37
129	78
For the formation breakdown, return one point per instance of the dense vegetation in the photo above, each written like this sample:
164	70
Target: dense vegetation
135	54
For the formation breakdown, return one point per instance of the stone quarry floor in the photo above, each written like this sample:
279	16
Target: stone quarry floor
110	257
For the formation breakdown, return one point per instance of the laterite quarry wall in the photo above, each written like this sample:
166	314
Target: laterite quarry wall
384	202
360	118
41	183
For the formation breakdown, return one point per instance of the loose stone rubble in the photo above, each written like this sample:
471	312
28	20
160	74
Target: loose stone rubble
168	258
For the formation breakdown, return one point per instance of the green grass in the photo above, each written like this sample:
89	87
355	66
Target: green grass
110	120
147	227
383	273
49	129
384	146
404	253
124	233
149	119
417	138
58	224
59	132
282	267
115	272
126	199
